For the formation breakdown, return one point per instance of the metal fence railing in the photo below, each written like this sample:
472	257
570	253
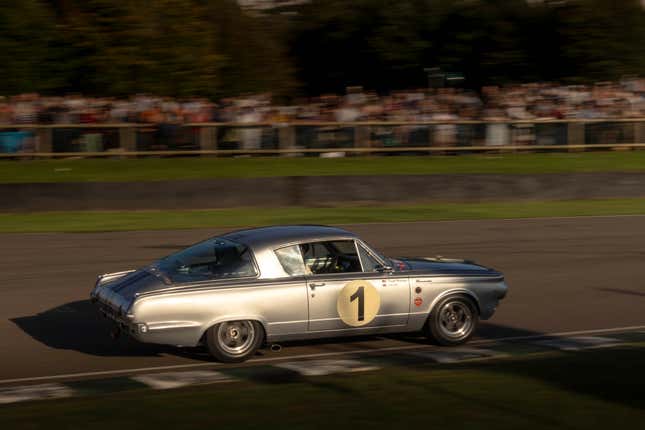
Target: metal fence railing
317	138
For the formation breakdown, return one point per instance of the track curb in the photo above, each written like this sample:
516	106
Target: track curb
288	370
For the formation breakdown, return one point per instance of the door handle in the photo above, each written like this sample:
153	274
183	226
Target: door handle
316	284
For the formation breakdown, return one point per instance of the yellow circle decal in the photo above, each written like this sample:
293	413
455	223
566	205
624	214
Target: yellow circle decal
358	303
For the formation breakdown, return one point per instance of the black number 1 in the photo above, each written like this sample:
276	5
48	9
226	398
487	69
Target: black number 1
360	295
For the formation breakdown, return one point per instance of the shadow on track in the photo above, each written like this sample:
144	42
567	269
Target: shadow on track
78	326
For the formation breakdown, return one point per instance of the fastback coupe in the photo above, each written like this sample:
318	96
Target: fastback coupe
236	292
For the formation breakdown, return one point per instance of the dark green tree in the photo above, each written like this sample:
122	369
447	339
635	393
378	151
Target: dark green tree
253	52
26	30
386	45
602	39
160	47
212	48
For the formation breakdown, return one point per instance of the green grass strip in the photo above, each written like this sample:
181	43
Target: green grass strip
584	390
242	217
155	169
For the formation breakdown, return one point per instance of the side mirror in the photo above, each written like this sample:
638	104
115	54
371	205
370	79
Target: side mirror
384	269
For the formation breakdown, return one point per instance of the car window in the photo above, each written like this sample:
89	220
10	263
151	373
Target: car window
374	251
369	262
291	260
345	246
211	259
330	257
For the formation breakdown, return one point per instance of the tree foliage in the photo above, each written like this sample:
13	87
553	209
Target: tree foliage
26	28
388	45
212	48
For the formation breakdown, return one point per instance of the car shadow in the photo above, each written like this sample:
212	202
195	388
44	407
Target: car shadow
78	326
485	331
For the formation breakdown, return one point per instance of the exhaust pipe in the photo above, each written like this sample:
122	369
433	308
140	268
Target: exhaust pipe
276	348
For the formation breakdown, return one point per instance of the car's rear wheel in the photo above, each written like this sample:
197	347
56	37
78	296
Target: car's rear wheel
453	321
234	341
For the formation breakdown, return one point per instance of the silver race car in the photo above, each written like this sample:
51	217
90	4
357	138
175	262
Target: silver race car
236	292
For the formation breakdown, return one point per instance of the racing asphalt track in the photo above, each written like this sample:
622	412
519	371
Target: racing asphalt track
565	274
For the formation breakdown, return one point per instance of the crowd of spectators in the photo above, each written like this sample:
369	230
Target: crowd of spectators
482	118
539	101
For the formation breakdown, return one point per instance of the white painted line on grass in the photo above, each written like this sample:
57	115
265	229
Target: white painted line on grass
164	381
556	334
454	355
34	392
578	342
315	355
326	367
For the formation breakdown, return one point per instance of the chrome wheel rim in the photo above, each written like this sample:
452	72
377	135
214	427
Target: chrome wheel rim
455	320
236	337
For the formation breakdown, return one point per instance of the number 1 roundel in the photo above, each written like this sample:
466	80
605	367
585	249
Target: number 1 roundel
358	303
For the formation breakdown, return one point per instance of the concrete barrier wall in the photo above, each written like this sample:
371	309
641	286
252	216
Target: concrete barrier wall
316	191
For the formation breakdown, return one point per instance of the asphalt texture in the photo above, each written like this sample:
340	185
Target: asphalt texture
565	274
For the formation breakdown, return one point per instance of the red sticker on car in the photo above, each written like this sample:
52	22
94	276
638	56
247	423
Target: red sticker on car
418	301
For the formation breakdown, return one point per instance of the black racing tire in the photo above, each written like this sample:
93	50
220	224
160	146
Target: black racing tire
452	321
234	341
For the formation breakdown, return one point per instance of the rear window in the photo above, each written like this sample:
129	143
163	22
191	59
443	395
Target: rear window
212	259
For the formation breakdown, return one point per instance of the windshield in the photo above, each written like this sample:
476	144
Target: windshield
377	254
212	259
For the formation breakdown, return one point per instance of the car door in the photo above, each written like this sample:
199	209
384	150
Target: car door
393	288
344	297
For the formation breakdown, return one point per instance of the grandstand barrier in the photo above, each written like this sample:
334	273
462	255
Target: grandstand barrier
325	139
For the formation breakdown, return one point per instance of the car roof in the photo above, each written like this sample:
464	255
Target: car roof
275	236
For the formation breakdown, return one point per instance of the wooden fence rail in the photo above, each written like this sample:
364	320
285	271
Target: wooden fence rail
207	138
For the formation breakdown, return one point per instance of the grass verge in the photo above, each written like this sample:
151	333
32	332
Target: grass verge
243	217
581	390
154	169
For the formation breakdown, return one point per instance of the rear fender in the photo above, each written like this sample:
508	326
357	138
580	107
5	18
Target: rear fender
220	320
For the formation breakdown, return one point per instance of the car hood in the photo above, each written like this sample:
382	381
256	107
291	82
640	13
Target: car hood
443	266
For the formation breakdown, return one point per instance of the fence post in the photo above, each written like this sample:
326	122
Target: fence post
207	138
639	132
362	137
44	140
128	138
575	134
286	137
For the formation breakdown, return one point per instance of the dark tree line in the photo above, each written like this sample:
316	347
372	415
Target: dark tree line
386	44
121	47
212	48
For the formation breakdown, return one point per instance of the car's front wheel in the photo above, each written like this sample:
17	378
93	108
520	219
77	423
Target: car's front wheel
234	341
452	321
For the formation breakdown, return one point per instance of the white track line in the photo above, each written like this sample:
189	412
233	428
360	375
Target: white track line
164	381
35	392
317	355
